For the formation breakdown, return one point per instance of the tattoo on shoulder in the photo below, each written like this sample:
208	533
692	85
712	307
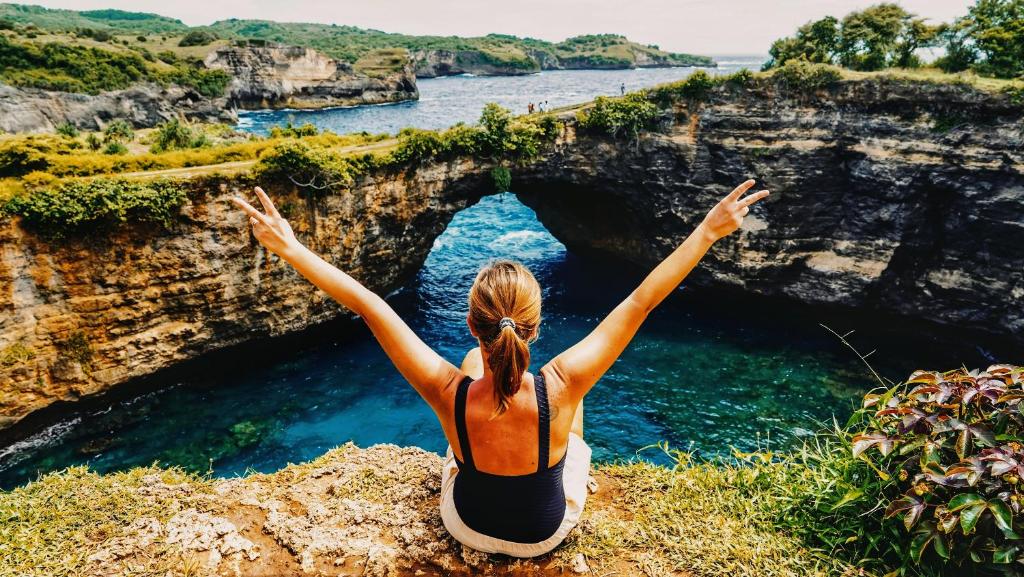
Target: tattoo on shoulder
553	412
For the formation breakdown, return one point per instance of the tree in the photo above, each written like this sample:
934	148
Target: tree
877	37
815	42
994	30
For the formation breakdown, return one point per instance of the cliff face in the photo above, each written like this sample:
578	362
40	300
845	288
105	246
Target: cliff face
144	105
433	63
899	198
96	312
296	77
887	196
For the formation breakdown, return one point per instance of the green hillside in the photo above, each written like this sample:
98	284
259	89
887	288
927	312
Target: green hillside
347	43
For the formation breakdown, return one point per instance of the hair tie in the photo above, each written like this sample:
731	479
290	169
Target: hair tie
506	322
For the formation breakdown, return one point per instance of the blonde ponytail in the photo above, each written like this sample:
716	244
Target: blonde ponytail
504	310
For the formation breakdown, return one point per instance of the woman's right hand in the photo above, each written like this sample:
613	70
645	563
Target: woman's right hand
270	228
727	216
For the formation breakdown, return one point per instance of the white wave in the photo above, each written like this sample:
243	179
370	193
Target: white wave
519	236
19	451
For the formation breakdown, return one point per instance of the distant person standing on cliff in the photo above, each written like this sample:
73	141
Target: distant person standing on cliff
515	477
622	88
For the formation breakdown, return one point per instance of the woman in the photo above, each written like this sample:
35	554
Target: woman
515	477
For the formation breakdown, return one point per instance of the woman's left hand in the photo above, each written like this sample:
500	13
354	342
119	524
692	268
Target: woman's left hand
270	228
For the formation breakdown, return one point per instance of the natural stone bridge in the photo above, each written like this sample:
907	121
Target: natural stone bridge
888	196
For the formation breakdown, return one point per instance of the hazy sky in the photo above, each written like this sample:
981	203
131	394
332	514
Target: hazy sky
702	26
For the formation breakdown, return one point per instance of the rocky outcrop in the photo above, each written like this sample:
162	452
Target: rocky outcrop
375	513
278	76
144	105
434	63
888	197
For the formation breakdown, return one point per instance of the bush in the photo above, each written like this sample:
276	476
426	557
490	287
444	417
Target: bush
289	130
19	156
118	131
93	142
307	166
803	76
174	135
75	206
624	116
197	38
167	57
953	443
114	148
67	129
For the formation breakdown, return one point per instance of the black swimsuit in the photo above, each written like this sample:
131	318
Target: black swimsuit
519	508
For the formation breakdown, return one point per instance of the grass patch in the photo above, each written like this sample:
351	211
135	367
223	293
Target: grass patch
47	526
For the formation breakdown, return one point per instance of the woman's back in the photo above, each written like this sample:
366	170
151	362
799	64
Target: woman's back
506	500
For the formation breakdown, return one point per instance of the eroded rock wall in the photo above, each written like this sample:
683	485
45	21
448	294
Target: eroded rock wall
143	105
889	196
98	311
278	76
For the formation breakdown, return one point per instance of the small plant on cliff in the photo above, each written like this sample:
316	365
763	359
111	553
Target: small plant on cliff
953	443
76	348
75	205
502	178
16	354
619	117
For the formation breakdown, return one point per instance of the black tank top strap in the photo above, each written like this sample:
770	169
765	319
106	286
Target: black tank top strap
543	423
460	421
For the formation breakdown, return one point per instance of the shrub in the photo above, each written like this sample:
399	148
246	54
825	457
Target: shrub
118	131
502	178
67	129
197	38
167	57
174	135
29	153
624	116
114	148
309	167
93	142
803	76
75	206
953	443
290	130
697	86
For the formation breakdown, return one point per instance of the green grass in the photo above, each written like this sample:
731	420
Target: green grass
46	527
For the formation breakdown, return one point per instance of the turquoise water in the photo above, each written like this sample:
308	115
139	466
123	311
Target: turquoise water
445	101
704	373
707	372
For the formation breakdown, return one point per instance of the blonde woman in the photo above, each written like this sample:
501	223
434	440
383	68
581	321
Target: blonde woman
514	481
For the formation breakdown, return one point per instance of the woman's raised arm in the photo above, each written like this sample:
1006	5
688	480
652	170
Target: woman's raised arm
583	364
426	370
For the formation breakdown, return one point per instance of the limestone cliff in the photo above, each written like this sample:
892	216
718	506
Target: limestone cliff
892	197
433	63
278	76
144	105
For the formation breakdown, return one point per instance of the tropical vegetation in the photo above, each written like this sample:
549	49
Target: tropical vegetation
989	40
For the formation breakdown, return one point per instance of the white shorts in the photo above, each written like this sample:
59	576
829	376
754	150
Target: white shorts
574	480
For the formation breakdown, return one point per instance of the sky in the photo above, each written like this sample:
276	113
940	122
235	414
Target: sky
698	26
